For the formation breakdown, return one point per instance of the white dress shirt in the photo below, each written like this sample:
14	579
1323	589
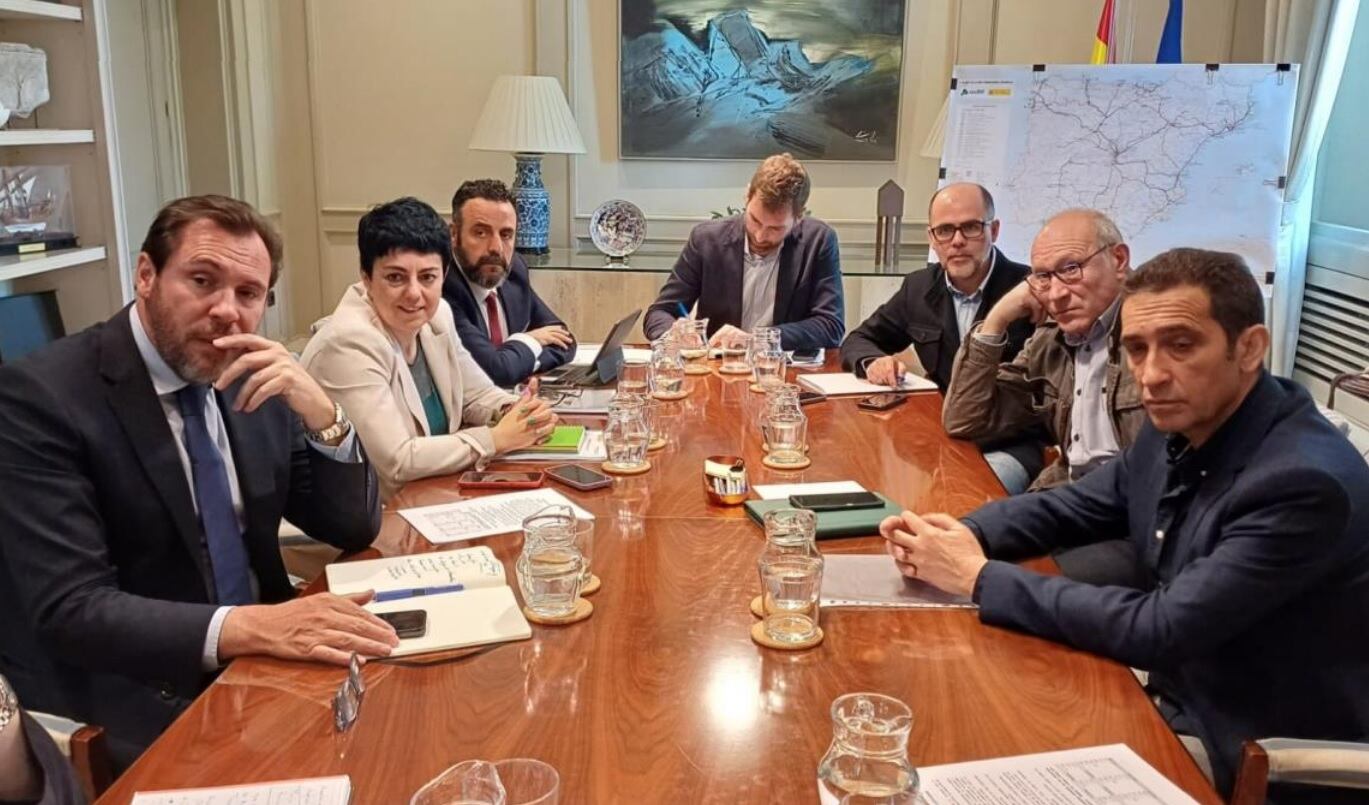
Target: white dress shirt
759	275
967	305
522	338
165	382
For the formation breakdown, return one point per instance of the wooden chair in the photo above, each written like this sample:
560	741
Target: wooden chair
1336	764
85	746
1356	383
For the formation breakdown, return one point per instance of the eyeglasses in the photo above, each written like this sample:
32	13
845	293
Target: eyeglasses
1069	273
972	230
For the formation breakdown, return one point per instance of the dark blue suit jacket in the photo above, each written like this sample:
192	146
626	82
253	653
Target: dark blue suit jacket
1258	625
106	592
808	298
510	363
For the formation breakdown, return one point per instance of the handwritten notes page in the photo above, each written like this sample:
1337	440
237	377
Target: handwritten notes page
484	517
316	791
473	567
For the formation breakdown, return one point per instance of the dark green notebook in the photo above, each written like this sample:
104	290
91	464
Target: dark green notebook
853	523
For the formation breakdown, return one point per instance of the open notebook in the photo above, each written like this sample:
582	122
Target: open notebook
484	612
312	791
843	384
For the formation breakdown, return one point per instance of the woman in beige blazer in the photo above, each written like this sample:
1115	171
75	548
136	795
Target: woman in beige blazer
390	356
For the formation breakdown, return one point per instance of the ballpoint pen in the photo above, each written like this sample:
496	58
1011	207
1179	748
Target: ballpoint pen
414	592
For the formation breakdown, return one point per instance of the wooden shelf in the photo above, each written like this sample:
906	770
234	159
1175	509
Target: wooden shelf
14	266
45	136
38	10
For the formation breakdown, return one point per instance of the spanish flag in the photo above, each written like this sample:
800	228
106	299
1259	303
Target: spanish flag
1102	41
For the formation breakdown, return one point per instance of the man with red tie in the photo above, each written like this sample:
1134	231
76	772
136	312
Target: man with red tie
500	319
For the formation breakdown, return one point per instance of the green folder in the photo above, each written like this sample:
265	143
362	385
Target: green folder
851	523
564	439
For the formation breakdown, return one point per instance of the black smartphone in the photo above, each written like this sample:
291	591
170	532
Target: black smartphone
836	501
408	623
577	477
881	402
806	396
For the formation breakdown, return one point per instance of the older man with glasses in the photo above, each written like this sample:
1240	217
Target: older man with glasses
935	308
1070	378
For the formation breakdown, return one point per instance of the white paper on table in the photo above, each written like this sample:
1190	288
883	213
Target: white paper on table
591	448
485	516
1095	775
314	791
472	567
586	353
783	491
873	580
839	384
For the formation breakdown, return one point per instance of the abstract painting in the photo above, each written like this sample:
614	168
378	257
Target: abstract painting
743	79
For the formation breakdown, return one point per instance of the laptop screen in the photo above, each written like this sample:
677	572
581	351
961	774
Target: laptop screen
27	323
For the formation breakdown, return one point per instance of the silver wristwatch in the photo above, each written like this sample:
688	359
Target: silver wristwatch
335	430
9	704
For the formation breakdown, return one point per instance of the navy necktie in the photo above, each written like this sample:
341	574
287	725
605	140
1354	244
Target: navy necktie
227	552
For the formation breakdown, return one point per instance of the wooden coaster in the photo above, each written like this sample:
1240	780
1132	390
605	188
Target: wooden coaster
758	607
657	444
592	586
760	638
728	369
757	387
583	609
697	369
797	465
671	395
614	469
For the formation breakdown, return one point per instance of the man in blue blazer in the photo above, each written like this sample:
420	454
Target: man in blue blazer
1250	509
146	464
500	319
770	266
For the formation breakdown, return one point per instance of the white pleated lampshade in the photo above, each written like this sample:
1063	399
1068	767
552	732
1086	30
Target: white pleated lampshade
529	114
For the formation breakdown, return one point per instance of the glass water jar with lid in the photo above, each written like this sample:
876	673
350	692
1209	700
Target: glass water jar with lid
867	763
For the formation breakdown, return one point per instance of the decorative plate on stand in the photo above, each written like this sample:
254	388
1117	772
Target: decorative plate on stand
617	229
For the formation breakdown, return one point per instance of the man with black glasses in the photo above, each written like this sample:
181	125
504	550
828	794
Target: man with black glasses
1070	377
936	307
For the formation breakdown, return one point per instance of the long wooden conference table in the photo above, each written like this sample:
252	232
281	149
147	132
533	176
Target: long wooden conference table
661	696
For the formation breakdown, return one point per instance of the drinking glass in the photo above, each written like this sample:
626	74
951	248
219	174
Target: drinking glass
791	583
529	782
693	336
786	434
553	525
734	348
634	377
549	576
790	531
867	762
584	542
471	782
767	367
667	370
762	339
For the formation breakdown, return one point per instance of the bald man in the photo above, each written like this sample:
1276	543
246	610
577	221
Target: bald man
935	308
1070	378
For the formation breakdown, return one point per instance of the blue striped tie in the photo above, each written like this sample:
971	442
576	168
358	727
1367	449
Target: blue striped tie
227	552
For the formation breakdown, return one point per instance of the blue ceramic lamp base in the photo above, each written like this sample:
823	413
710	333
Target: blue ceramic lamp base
533	204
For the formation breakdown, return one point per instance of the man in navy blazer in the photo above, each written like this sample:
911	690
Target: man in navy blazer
770	266
500	319
146	464
1247	506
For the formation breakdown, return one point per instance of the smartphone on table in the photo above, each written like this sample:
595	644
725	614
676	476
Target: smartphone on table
577	477
408	623
882	402
836	501
484	479
806	396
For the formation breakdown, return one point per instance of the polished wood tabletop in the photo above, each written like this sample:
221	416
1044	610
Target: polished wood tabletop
661	696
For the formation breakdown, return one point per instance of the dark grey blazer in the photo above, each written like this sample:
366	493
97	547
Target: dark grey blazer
1256	625
105	584
808	298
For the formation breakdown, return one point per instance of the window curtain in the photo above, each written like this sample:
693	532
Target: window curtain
1315	34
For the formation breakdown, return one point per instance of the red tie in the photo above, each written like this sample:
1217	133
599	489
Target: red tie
492	310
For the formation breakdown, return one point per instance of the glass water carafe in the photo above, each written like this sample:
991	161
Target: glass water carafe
867	763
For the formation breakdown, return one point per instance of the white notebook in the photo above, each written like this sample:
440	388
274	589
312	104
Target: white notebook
845	384
312	791
486	611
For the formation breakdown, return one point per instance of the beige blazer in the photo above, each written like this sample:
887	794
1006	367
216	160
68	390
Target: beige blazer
362	367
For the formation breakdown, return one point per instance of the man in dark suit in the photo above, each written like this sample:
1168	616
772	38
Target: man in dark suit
936	307
500	319
1250	509
770	266
146	464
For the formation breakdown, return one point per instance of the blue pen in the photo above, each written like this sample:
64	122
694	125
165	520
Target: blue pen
414	592
684	311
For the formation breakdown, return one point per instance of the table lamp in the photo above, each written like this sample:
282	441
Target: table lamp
528	115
